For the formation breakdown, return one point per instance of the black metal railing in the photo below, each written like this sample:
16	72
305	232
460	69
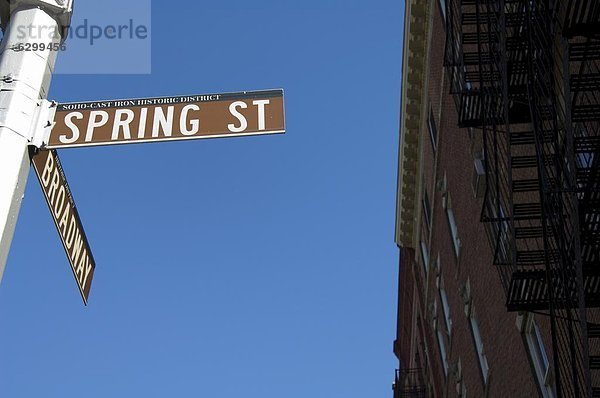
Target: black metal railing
527	73
409	383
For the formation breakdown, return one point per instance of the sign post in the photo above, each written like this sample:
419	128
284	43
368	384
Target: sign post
25	79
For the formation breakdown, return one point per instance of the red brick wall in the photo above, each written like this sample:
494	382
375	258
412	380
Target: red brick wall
405	308
510	371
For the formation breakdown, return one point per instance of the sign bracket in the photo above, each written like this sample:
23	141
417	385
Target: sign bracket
43	123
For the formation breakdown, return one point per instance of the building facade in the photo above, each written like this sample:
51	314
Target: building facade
498	219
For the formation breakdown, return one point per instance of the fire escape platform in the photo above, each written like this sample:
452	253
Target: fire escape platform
528	291
583	17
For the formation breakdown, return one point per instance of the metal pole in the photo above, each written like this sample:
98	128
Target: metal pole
25	75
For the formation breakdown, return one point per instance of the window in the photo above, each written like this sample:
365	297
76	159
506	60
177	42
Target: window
503	251
453	231
585	159
478	180
471	133
432	129
445	306
425	256
427	210
461	389
443	297
452	224
443	9
442	346
585	163
483	363
476	143
440	340
537	353
464	290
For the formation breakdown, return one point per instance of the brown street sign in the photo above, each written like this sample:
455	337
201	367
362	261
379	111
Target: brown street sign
169	118
66	218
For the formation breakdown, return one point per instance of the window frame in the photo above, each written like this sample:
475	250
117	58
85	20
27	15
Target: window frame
484	365
445	306
536	350
443	293
427	210
443	352
432	128
443	10
478	179
451	218
440	341
504	244
424	256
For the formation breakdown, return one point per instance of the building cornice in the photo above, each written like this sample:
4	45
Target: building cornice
412	118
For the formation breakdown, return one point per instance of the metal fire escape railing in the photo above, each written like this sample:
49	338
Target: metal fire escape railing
581	18
527	73
409	383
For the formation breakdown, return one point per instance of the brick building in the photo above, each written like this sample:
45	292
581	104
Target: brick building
480	311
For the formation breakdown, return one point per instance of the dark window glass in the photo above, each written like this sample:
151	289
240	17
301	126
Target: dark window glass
432	129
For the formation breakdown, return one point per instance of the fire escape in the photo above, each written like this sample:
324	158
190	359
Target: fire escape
527	74
409	383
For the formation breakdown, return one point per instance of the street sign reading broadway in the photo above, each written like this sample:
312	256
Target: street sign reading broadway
66	218
169	118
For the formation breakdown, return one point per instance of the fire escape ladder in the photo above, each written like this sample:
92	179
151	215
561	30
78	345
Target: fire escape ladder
528	287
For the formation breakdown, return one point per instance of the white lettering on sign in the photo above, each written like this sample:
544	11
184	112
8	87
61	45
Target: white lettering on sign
142	125
74	129
162	122
233	109
234	112
261	112
122	125
65	217
94	123
183	122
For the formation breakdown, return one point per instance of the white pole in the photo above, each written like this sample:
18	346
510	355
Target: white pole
25	75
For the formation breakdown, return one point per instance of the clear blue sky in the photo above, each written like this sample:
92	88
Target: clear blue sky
258	267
